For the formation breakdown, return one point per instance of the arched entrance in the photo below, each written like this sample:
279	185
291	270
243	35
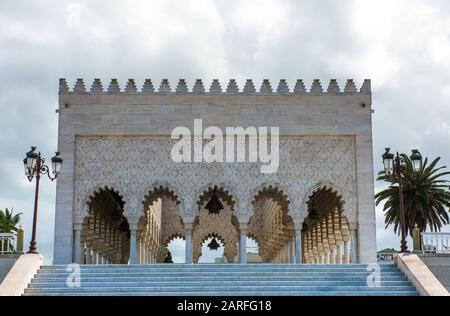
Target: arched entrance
325	231
176	248
160	223
215	218
212	250
105	234
272	227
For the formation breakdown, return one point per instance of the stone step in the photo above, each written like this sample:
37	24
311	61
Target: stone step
86	284
220	280
212	274
219	268
227	266
176	279
286	270
234	288
232	293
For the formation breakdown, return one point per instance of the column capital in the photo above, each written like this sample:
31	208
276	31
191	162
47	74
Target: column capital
188	219
298	225
243	220
133	225
77	226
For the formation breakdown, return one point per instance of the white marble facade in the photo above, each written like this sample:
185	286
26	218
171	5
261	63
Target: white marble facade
121	139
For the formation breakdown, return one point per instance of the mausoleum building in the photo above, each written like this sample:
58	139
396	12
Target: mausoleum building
121	197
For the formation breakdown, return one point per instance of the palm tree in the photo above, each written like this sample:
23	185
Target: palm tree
168	257
425	195
8	221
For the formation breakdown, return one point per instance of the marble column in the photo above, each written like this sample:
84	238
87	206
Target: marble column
333	256
139	252
77	244
338	254
286	252
133	244
354	245
327	257
188	236
298	246
346	252
88	255
292	250
144	253
93	256
243	245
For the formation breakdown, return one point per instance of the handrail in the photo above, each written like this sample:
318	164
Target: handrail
435	242
8	243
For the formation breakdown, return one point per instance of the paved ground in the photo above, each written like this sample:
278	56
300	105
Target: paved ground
439	264
6	263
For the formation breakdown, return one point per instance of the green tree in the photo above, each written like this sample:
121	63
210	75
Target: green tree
9	221
425	195
168	258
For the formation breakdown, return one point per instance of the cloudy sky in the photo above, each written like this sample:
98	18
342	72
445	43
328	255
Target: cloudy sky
402	45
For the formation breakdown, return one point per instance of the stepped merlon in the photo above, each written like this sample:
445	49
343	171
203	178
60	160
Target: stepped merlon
215	87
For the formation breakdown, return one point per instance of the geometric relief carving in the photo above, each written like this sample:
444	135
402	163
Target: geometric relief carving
133	164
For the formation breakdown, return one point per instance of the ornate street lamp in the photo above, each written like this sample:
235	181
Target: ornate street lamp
416	159
35	166
393	167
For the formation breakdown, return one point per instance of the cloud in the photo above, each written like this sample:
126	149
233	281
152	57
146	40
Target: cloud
402	45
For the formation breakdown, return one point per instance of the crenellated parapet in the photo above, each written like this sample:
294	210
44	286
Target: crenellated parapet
215	87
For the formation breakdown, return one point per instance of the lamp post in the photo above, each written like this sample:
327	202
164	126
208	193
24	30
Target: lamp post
35	166
393	166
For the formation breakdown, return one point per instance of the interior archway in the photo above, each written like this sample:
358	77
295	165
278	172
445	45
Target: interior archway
325	231
105	234
271	226
211	254
177	247
216	218
160	223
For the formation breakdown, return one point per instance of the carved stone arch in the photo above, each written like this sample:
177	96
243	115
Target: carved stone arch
83	201
166	242
105	208
276	191
271	230
254	238
214	235
169	189
324	186
160	190
226	189
160	218
222	192
223	224
229	243
113	188
264	186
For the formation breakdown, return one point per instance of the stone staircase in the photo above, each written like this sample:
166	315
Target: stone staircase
221	280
